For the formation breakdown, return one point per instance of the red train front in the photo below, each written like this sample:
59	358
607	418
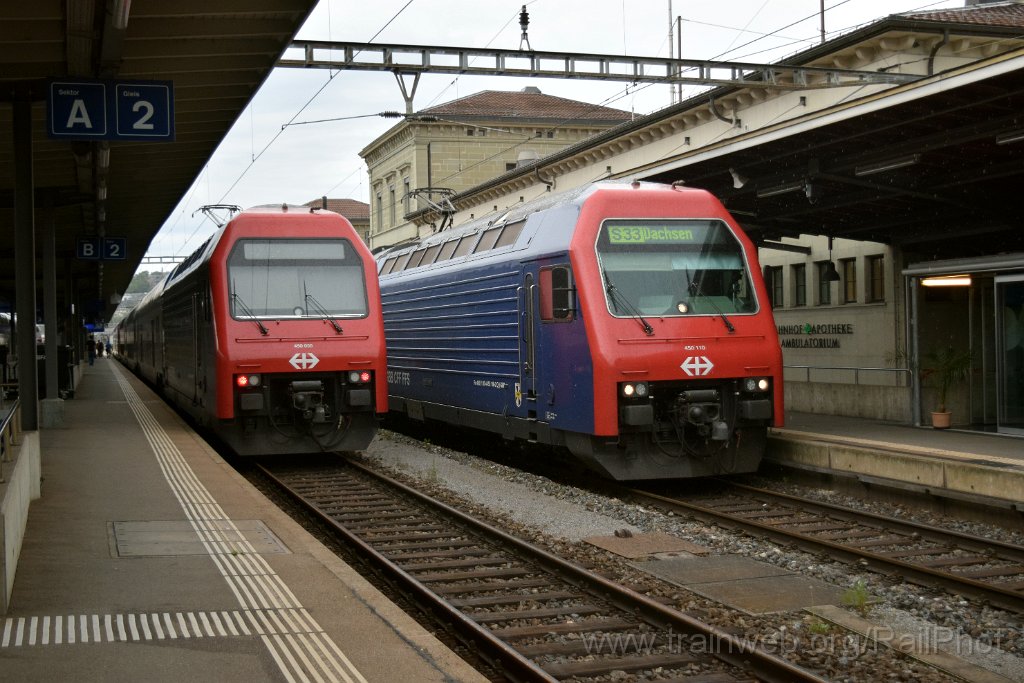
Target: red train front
270	334
687	368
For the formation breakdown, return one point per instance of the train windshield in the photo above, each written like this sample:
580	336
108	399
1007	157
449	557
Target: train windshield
296	278
673	267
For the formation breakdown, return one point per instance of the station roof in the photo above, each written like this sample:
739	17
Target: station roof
932	167
216	53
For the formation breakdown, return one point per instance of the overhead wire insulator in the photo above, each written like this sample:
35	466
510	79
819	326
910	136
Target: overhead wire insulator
524	23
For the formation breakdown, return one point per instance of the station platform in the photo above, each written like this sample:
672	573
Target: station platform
961	464
147	558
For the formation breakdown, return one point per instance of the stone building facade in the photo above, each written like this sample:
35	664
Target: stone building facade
466	142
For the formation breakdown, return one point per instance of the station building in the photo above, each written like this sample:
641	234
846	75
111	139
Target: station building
857	197
460	144
357	213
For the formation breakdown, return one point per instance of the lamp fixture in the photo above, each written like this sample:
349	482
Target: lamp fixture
947	281
120	13
1010	137
738	180
830	274
887	165
103	156
797	186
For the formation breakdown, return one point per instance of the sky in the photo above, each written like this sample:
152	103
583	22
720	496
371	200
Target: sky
272	155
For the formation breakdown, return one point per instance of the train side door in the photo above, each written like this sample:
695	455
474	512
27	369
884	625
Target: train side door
526	392
197	320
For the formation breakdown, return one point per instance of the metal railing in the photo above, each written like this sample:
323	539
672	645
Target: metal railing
10	431
904	375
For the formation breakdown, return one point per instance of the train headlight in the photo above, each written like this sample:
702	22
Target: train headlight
359	376
243	381
755	384
683	307
634	389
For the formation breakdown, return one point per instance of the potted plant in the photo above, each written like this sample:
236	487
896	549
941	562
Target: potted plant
948	367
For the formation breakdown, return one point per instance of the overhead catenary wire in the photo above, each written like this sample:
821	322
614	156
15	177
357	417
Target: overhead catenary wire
609	100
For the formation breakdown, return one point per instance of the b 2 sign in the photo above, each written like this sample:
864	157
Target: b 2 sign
111	110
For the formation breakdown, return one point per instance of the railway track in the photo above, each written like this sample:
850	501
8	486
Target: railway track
531	615
980	568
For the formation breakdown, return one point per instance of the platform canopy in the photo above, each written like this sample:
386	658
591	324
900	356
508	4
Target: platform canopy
214	53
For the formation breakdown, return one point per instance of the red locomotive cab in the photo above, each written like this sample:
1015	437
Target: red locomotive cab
299	347
686	354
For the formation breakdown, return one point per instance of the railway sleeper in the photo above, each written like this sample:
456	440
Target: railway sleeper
514	599
627	664
992	572
602	625
543	613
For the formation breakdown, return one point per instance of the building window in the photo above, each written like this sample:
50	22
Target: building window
510	166
849	271
800	284
380	211
394	208
470	132
406	199
773	279
824	286
876	278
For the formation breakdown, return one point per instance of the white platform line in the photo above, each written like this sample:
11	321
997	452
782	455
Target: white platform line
262	587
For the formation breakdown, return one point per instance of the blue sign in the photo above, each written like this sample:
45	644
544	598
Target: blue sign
102	248
111	110
144	111
88	248
78	110
115	248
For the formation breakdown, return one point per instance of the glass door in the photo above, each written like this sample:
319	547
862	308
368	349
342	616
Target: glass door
1010	353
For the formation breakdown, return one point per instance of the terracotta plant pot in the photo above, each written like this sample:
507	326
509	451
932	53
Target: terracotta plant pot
942	420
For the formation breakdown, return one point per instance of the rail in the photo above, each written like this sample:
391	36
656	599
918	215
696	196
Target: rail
10	429
904	374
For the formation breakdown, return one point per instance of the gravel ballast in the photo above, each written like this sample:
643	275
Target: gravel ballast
985	637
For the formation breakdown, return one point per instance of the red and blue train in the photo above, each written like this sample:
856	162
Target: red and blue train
626	323
269	335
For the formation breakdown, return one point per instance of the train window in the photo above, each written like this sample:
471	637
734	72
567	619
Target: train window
488	239
465	245
403	259
447	249
415	258
388	266
510	234
673	267
431	255
296	278
557	295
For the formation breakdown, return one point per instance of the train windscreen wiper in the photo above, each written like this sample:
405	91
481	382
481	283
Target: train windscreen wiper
310	299
245	309
622	302
694	289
